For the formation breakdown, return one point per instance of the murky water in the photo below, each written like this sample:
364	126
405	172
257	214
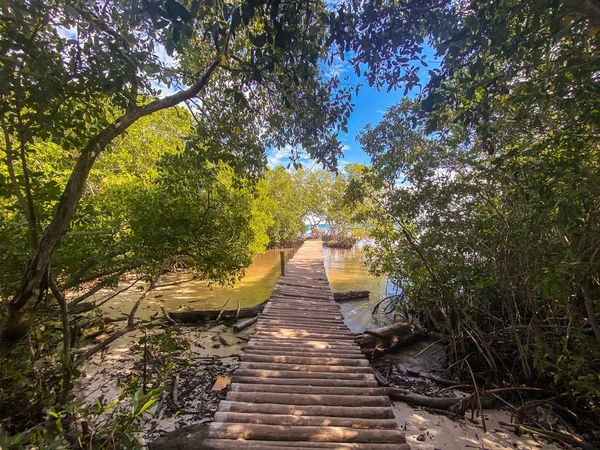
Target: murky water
346	271
254	288
345	268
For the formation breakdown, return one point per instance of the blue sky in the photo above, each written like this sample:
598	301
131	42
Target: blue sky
369	107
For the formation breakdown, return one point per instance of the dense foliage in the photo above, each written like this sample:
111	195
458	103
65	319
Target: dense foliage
482	199
78	75
487	190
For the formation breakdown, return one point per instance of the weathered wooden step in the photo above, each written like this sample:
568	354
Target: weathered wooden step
305	360
306	399
304	314
366	412
286	333
277	325
347	354
336	352
308	306
303	320
304	381
319	328
294	302
297	319
299	374
242	444
303	367
329	337
312	390
307	344
304	310
315	434
288	420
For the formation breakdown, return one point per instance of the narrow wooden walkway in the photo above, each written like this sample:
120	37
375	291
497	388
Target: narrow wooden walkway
303	383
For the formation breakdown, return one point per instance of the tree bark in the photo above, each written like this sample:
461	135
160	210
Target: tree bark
21	308
378	342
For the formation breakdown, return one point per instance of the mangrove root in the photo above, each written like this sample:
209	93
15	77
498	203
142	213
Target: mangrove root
443	403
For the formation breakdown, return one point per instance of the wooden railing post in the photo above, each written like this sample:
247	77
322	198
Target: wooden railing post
282	256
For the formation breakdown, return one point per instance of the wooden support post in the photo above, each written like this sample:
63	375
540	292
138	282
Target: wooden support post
282	255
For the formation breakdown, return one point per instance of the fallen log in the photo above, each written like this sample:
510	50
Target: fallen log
350	295
379	341
444	403
212	314
242	324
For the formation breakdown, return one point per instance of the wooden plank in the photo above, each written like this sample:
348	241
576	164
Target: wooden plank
242	444
367	412
303	382
310	434
303	421
312	390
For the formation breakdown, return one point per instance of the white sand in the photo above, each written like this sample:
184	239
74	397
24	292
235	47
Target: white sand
440	432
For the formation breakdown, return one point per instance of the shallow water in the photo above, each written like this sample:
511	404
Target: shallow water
346	271
254	288
345	268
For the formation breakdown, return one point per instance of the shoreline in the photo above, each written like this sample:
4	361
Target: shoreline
196	365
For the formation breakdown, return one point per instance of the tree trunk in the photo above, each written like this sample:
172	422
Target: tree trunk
378	342
21	308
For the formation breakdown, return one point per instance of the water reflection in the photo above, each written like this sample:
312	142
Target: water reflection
346	271
254	288
345	268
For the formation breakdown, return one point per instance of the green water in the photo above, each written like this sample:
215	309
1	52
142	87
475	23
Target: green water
346	271
254	288
345	268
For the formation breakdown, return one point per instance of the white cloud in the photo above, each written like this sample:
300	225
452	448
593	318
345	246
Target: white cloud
67	33
278	157
337	68
380	111
283	156
161	53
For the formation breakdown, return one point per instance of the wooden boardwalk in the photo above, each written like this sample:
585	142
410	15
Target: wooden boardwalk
303	383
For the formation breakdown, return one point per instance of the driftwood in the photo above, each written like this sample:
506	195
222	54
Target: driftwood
212	314
569	439
377	342
444	403
350	295
242	324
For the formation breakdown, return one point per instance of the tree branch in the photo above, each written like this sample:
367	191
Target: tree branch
25	205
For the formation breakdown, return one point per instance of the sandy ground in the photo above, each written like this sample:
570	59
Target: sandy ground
206	358
424	431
